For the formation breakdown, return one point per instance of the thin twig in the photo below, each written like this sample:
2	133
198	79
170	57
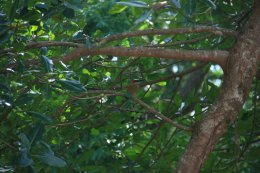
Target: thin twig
163	117
164	148
71	123
7	144
149	142
181	74
162	66
170	44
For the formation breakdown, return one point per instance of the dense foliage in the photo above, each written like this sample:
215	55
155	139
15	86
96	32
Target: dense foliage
80	116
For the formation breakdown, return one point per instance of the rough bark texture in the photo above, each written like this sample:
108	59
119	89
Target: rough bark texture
240	70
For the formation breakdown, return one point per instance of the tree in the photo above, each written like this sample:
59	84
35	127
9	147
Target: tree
108	86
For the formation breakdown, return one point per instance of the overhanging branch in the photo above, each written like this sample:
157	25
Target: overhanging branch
199	29
215	56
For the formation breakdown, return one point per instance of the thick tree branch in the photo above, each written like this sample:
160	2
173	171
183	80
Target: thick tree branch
198	29
242	66
215	56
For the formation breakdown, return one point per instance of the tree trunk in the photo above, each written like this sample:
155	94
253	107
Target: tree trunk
240	70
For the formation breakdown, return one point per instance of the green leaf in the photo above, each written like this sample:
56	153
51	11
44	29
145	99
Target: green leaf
95	168
117	9
176	3
68	12
43	50
85	71
134	4
88	43
178	100
78	34
24	159
131	152
19	46
2	16
144	17
253	154
75	6
50	159
23	99
72	85
4	86
41	7
5	37
34	28
152	121
47	63
36	133
190	7
98	154
21	66
94	132
42	117
25	141
32	16
47	89
210	4
13	10
47	146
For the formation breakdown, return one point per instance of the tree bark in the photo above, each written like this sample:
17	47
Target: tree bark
215	56
240	70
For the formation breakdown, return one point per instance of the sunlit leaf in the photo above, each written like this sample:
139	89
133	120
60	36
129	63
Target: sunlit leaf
85	71
34	28
117	8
